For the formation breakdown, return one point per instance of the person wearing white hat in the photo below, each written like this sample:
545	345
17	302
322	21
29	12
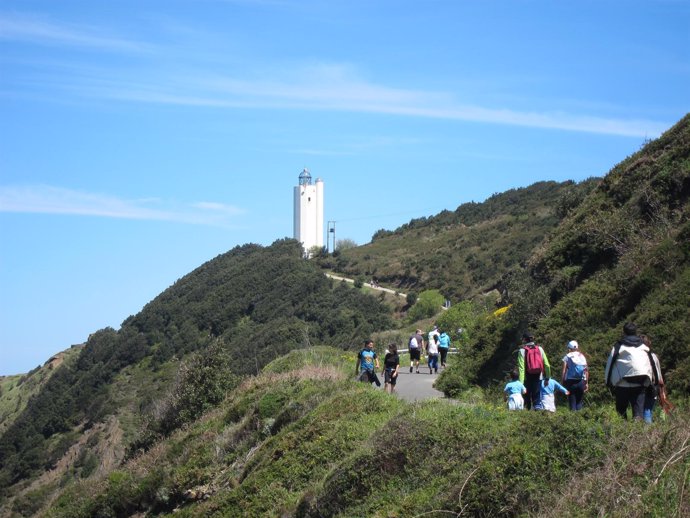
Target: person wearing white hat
575	375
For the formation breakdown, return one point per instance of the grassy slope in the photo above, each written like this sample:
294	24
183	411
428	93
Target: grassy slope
466	252
15	391
624	254
308	442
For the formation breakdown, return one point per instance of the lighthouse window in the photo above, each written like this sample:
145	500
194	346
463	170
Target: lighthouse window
308	199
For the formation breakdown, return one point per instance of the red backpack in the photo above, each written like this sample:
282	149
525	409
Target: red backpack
534	363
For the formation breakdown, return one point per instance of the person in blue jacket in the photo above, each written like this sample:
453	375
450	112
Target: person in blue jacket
443	346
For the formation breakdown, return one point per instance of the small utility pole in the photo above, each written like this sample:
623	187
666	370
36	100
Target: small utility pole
331	231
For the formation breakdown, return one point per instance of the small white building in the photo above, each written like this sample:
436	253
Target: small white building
308	212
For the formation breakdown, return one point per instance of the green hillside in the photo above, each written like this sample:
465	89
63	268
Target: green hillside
304	441
466	252
623	254
17	390
179	355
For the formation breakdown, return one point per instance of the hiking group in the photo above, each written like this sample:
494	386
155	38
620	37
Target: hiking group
435	351
632	373
532	386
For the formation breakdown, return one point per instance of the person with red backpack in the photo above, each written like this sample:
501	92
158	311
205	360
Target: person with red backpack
533	367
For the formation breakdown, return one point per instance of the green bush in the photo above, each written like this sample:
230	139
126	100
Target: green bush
31	502
428	304
459	321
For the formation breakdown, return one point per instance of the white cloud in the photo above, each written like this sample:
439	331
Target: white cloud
220	208
33	29
333	88
46	199
317	86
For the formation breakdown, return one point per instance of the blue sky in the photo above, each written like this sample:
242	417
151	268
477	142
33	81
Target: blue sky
139	139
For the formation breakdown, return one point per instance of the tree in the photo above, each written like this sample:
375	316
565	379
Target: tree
428	304
460	320
345	244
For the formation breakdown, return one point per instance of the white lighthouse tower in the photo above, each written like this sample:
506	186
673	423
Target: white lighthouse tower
308	212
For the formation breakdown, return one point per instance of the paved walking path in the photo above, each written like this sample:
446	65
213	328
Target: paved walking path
367	284
410	386
416	387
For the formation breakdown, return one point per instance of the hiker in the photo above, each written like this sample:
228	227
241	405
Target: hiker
415	347
432	353
433	335
366	360
443	347
654	390
514	390
533	366
548	396
629	371
575	375
391	365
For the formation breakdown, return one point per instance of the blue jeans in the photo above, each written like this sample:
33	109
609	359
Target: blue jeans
577	392
433	361
649	403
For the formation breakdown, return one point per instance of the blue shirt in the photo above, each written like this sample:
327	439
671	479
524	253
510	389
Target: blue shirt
514	387
366	359
444	341
551	387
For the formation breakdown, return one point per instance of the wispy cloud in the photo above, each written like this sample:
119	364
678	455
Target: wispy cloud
37	30
317	86
46	199
335	88
318	152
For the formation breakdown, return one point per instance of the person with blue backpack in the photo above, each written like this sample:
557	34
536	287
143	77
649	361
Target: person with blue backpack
575	375
533	367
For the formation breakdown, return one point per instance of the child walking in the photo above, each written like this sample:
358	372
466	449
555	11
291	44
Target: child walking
514	390
391	365
548	389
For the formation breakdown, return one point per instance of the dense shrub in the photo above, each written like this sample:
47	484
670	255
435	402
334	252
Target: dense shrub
428	304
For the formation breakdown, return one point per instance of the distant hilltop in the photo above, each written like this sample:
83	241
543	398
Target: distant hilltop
57	359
